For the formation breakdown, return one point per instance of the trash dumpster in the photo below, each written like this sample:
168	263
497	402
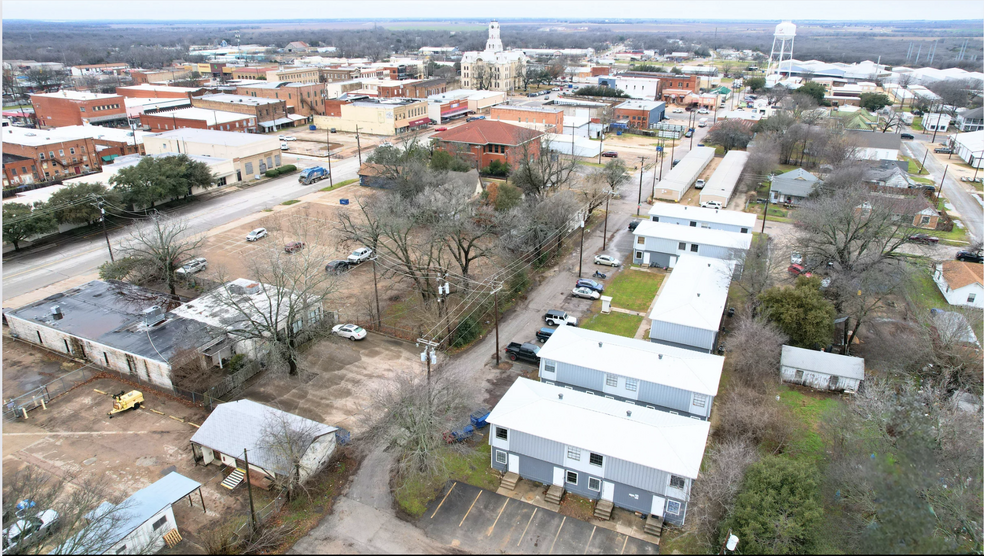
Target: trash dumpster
343	201
313	127
478	418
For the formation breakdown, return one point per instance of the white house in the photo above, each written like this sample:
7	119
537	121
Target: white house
876	146
263	433
691	302
663	243
633	457
141	524
936	122
821	370
970	119
697	217
961	283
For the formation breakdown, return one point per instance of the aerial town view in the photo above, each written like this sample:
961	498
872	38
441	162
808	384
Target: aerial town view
538	277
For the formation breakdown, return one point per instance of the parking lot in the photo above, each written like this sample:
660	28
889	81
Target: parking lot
470	519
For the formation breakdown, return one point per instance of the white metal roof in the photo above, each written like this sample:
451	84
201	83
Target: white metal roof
686	171
210	117
691	234
670	366
37	137
718	216
651	438
116	134
695	293
212	137
76	95
725	176
972	141
240	99
823	362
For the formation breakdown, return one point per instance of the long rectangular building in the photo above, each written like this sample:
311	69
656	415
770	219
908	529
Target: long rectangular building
721	186
697	217
684	174
690	306
664	244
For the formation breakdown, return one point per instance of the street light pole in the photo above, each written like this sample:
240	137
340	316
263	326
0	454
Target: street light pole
580	258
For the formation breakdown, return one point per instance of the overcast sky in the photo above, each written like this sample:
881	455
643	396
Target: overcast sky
261	10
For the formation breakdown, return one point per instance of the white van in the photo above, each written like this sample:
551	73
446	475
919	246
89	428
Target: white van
702	122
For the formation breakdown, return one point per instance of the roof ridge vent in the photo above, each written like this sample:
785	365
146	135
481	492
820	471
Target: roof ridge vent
560	395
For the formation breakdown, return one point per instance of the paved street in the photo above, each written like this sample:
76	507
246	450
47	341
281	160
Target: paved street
967	205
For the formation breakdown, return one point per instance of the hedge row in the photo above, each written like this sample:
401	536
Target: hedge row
285	169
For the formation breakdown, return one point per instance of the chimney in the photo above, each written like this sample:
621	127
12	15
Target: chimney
56	313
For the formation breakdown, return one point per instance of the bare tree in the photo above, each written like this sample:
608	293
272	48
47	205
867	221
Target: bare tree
529	228
287	438
466	227
714	494
540	167
730	134
754	349
161	245
888	119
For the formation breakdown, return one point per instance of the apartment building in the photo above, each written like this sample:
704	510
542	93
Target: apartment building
54	154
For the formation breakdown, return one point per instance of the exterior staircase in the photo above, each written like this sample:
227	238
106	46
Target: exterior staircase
603	510
509	481
234	478
554	494
654	526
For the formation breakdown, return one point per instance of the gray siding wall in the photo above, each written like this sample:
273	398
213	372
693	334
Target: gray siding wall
700	223
665	398
638	476
662	259
683	336
631	498
584	377
537	447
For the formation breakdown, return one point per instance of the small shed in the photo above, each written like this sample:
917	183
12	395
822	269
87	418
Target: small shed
821	370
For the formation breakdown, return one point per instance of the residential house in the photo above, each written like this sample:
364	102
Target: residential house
112	324
661	243
961	283
243	429
483	141
633	457
697	217
66	108
821	370
677	181
936	122
142	524
889	173
637	372
792	187
970	119
876	146
690	306
251	154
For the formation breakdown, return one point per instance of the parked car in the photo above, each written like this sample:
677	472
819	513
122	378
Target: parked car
294	246
970	257
712	205
678	110
473	118
361	254
607	260
917	112
29	528
282	137
610	154
442	128
350	331
590	284
386	144
544	333
798	270
943	150
796	258
191	267
929	188
924	238
586	293
556	317
907	136
256	234
284	146
633	225
699	184
703	111
337	266
689	133
525	351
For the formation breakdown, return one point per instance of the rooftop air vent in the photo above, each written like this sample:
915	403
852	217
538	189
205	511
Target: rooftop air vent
560	396
253	288
628	413
56	313
599	344
661	356
153	315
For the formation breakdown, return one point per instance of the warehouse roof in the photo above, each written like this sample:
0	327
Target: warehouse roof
823	362
685	173
695	293
214	136
648	437
719	216
670	366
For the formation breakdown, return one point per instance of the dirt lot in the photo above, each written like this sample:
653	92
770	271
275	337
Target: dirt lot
26	368
131	451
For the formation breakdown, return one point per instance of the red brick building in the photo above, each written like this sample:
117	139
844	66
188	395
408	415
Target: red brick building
304	99
270	114
66	108
200	118
600	70
483	141
18	170
54	154
550	120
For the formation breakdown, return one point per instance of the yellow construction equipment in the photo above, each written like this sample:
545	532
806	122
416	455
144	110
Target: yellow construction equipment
126	400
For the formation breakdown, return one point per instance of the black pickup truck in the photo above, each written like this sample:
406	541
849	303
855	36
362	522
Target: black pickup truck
526	352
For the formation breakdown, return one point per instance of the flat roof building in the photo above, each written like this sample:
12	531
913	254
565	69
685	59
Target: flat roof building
66	108
690	306
199	118
679	180
662	244
251	154
721	185
698	217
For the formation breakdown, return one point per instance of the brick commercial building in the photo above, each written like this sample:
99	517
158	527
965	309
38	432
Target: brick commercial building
336	74
54	154
641	114
110	142
253	73
199	118
375	116
550	120
304	99
148	90
66	108
251	154
18	170
118	68
270	114
294	75
412	88
159	76
482	141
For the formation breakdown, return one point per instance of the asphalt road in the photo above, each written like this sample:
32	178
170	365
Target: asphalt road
46	265
962	200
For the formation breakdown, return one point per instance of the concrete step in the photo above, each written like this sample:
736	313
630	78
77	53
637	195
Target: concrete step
603	509
654	526
554	494
509	480
234	478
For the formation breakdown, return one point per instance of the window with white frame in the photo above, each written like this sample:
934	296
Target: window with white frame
574	453
673	507
501	433
550	367
572	477
611	380
682	246
500	457
594	483
700	400
631	384
640	240
596	459
638	254
677	482
971	297
694	247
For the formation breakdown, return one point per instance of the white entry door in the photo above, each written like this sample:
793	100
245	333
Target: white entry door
608	491
673	260
513	463
645	258
658	504
558	478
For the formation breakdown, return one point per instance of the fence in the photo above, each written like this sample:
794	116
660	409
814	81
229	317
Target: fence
234	381
16	408
263	514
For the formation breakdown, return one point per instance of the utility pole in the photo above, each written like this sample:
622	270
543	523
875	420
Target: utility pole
495	294
429	355
940	192
923	163
642	169
659	159
379	319
109	246
358	144
580	257
765	213
608	198
249	487
331	180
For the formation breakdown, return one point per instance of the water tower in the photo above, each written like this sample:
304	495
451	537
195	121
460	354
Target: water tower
785	34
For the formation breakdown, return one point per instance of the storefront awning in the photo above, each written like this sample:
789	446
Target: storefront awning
109	157
419	122
455	112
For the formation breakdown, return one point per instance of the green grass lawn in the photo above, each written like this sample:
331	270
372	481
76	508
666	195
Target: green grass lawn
924	293
956	237
917	124
472	468
924	181
914	166
634	290
339	184
808	412
620	324
291	202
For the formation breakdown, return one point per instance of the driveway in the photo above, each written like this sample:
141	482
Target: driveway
474	520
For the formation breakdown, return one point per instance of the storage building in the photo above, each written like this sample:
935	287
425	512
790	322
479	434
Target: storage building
821	370
659	243
697	217
690	306
684	174
721	186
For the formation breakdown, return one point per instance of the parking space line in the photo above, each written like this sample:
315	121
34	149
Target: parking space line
502	509
523	536
588	544
623	544
470	507
443	499
562	522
